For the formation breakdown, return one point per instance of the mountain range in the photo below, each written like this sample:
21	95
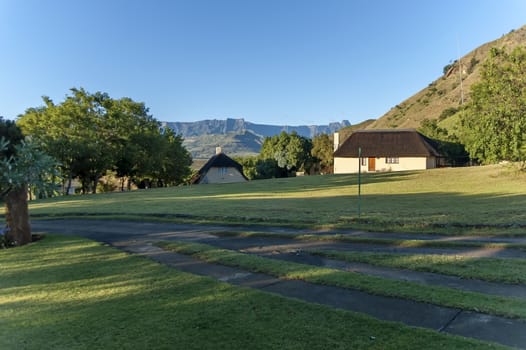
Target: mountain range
238	137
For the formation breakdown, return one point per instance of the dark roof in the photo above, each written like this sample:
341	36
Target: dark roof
220	160
387	143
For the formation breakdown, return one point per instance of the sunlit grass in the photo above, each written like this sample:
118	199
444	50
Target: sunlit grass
438	295
482	200
73	293
487	269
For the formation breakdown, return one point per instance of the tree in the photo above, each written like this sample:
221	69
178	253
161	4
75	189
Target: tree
494	122
255	167
175	160
91	134
447	144
322	150
291	151
22	166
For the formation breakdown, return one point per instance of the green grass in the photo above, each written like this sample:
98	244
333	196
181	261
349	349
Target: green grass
72	293
393	242
487	269
496	305
477	200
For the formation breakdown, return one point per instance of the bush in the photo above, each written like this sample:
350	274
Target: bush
448	112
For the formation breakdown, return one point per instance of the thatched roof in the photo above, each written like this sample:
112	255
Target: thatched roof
387	143
219	160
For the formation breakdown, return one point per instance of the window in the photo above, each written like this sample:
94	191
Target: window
363	161
222	171
391	160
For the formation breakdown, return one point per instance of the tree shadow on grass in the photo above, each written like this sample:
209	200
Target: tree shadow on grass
134	303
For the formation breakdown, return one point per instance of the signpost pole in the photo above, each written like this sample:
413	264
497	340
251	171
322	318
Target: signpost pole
359	180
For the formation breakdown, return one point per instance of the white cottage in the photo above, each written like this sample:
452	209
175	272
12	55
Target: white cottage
220	169
385	150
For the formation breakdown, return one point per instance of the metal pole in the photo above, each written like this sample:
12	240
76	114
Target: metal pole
359	180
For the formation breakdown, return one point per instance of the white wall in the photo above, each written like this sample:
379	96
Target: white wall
222	175
350	165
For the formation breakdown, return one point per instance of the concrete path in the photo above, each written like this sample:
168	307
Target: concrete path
134	237
428	278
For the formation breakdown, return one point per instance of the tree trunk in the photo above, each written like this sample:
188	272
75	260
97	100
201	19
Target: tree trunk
96	179
68	186
17	217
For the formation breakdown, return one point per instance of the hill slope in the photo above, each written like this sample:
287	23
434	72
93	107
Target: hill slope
443	96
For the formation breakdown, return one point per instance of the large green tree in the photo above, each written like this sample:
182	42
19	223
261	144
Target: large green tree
494	122
322	150
91	134
292	152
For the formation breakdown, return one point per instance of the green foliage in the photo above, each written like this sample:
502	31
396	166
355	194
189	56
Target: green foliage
23	164
32	168
472	63
292	152
322	150
256	168
11	133
448	112
91	134
494	121
448	145
447	67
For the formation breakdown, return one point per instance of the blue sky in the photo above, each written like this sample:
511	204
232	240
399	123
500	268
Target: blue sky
286	62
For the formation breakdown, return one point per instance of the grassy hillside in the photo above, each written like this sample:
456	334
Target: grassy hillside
487	199
443	95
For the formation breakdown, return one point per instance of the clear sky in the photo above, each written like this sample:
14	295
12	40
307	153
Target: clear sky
287	62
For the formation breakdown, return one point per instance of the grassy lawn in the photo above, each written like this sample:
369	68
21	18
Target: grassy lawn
488	269
72	293
481	200
496	305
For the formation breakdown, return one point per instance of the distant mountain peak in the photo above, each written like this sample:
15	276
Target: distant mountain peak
237	136
239	125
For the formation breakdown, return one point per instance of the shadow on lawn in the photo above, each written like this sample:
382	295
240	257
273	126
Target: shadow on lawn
133	303
289	185
442	210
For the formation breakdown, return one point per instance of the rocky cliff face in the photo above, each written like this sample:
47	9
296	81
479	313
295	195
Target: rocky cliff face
238	137
240	126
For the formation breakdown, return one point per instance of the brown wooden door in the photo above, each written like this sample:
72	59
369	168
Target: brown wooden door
371	162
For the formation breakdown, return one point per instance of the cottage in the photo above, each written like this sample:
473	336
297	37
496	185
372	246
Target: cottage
220	169
385	150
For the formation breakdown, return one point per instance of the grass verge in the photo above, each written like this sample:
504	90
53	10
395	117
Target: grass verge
486	269
496	305
402	243
73	293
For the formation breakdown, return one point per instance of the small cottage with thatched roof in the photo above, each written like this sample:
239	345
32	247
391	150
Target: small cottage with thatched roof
385	150
220	169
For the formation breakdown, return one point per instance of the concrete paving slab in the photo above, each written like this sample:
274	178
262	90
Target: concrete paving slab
469	324
384	308
490	328
428	278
